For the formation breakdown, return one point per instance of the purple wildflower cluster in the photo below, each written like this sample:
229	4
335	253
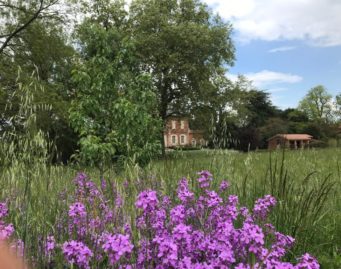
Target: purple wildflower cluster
77	253
202	232
116	246
7	231
263	206
206	229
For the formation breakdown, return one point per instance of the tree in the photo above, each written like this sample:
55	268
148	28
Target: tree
272	127
41	49
114	108
18	15
182	45
317	104
232	112
338	106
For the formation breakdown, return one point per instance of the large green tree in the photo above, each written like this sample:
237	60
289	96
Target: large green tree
233	112
41	48
317	104
113	111
18	15
182	45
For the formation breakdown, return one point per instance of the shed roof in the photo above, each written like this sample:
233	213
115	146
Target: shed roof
292	136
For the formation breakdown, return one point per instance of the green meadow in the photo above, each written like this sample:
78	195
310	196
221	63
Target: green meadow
306	184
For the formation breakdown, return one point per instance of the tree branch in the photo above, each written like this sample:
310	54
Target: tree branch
35	15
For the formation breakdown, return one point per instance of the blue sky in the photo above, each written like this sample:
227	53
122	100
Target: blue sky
285	47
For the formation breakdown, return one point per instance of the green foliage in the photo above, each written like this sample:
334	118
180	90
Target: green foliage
23	141
338	106
41	48
114	109
317	104
272	127
18	15
183	46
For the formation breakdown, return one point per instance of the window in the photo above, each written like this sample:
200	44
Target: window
174	139
194	142
182	124
173	124
182	139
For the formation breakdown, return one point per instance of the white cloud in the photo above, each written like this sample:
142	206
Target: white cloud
228	9
282	49
232	77
315	21
277	90
266	78
271	80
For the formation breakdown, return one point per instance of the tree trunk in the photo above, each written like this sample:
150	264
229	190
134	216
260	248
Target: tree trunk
163	109
163	118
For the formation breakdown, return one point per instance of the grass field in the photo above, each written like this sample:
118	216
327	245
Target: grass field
307	185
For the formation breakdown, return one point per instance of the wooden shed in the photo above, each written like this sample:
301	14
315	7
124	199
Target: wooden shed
292	141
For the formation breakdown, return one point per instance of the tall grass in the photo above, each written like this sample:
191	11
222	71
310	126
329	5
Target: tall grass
306	183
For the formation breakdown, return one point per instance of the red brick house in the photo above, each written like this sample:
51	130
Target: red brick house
292	141
178	134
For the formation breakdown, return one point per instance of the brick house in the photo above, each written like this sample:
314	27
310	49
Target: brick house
292	141
178	134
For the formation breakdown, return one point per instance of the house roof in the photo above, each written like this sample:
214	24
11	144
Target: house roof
292	136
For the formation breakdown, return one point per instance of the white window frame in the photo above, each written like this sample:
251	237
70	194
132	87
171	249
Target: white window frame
182	124
184	139
175	140
173	124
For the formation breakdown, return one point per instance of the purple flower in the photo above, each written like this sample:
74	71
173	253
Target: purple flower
147	200
263	205
3	210
77	253
307	262
167	253
118	201
204	179
103	184
6	230
201	231
224	185
212	199
178	214
80	181
182	235
166	201
116	246
77	210
243	266
50	245
184	194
